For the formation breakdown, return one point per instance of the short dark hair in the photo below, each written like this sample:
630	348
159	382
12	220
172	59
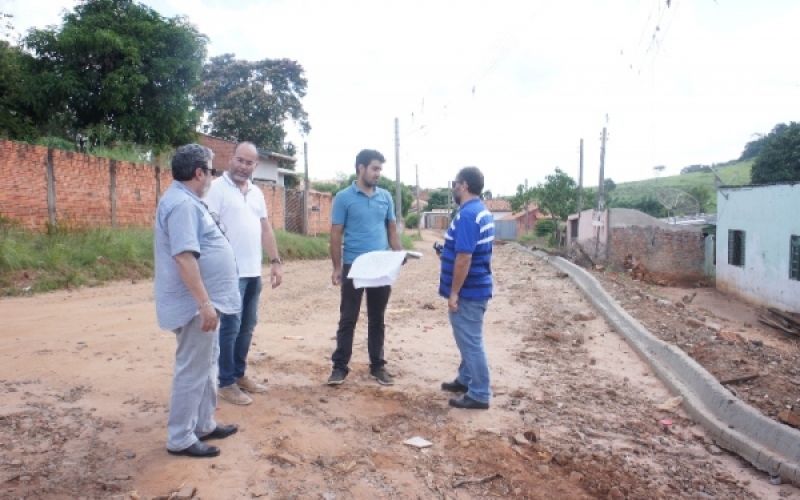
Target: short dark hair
366	156
187	159
473	178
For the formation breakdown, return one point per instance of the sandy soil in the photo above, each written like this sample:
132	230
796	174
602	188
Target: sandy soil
85	379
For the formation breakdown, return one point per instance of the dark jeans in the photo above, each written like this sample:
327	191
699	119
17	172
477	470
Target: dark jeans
350	306
236	333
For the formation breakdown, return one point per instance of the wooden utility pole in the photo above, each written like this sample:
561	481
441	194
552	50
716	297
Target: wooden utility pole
306	186
419	211
398	209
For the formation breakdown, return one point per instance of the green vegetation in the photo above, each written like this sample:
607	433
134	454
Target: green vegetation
68	256
412	221
545	227
408	239
644	192
779	159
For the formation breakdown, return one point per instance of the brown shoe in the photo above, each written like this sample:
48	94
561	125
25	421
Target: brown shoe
233	394
248	385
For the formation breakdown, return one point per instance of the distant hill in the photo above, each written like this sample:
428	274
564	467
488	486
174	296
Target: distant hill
736	173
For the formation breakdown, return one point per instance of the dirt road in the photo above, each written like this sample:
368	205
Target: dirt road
85	379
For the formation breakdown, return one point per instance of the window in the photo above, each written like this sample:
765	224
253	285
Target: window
573	226
736	248
794	258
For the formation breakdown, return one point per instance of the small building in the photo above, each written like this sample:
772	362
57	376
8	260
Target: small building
268	169
758	243
514	225
498	207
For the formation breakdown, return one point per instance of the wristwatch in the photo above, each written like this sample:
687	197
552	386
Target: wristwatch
277	261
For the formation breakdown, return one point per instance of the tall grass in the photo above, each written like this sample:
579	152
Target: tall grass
71	257
298	247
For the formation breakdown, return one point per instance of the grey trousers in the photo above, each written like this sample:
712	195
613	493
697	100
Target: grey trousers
194	386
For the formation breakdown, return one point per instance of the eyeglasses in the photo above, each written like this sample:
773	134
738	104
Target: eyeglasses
455	183
218	222
213	171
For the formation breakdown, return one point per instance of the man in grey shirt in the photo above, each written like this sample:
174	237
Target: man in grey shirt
196	280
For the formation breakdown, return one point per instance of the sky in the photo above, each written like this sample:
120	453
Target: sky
512	86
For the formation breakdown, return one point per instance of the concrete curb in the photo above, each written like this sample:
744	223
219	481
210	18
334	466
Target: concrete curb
734	425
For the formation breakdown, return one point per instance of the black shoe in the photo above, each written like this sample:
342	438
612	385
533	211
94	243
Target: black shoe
382	376
221	432
197	450
454	386
337	377
468	403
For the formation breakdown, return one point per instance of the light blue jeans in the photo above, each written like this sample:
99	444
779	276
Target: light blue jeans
194	386
467	326
236	333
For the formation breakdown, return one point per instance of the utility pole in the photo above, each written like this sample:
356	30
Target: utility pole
580	184
419	212
399	203
527	202
601	194
305	189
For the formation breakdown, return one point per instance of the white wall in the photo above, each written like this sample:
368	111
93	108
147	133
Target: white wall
267	170
769	216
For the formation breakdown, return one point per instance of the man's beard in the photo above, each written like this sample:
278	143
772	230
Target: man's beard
457	199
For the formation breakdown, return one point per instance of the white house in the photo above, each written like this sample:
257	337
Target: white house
268	169
758	243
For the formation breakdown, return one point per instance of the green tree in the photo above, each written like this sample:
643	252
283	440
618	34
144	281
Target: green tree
117	71
522	198
15	122
251	101
558	195
437	199
779	159
487	195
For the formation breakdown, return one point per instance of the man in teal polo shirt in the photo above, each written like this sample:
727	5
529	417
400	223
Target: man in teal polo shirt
363	215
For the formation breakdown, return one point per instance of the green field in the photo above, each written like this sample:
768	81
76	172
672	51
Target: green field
734	174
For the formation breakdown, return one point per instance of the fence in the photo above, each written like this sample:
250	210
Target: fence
49	186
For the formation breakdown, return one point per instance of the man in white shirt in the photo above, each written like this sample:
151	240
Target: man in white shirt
241	212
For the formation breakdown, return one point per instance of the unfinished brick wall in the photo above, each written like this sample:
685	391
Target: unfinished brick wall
668	255
223	150
23	192
82	190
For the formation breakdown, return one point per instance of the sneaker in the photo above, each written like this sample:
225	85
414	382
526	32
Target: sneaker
248	385
454	386
337	377
383	377
234	395
468	403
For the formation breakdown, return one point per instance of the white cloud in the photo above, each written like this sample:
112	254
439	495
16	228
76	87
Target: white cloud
545	75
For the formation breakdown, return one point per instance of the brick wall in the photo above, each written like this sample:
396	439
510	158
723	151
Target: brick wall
83	184
223	150
667	254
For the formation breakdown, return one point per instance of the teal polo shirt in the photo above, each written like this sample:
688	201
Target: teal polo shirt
364	218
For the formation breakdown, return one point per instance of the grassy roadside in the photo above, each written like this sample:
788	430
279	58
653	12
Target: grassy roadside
32	262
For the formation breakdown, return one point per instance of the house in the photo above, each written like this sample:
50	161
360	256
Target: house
669	252
498	207
267	170
518	225
758	243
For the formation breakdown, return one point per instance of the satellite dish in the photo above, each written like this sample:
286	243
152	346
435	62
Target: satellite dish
677	202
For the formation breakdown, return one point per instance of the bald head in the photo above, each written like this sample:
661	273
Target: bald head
244	161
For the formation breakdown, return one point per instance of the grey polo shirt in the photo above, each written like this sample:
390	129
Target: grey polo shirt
184	224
